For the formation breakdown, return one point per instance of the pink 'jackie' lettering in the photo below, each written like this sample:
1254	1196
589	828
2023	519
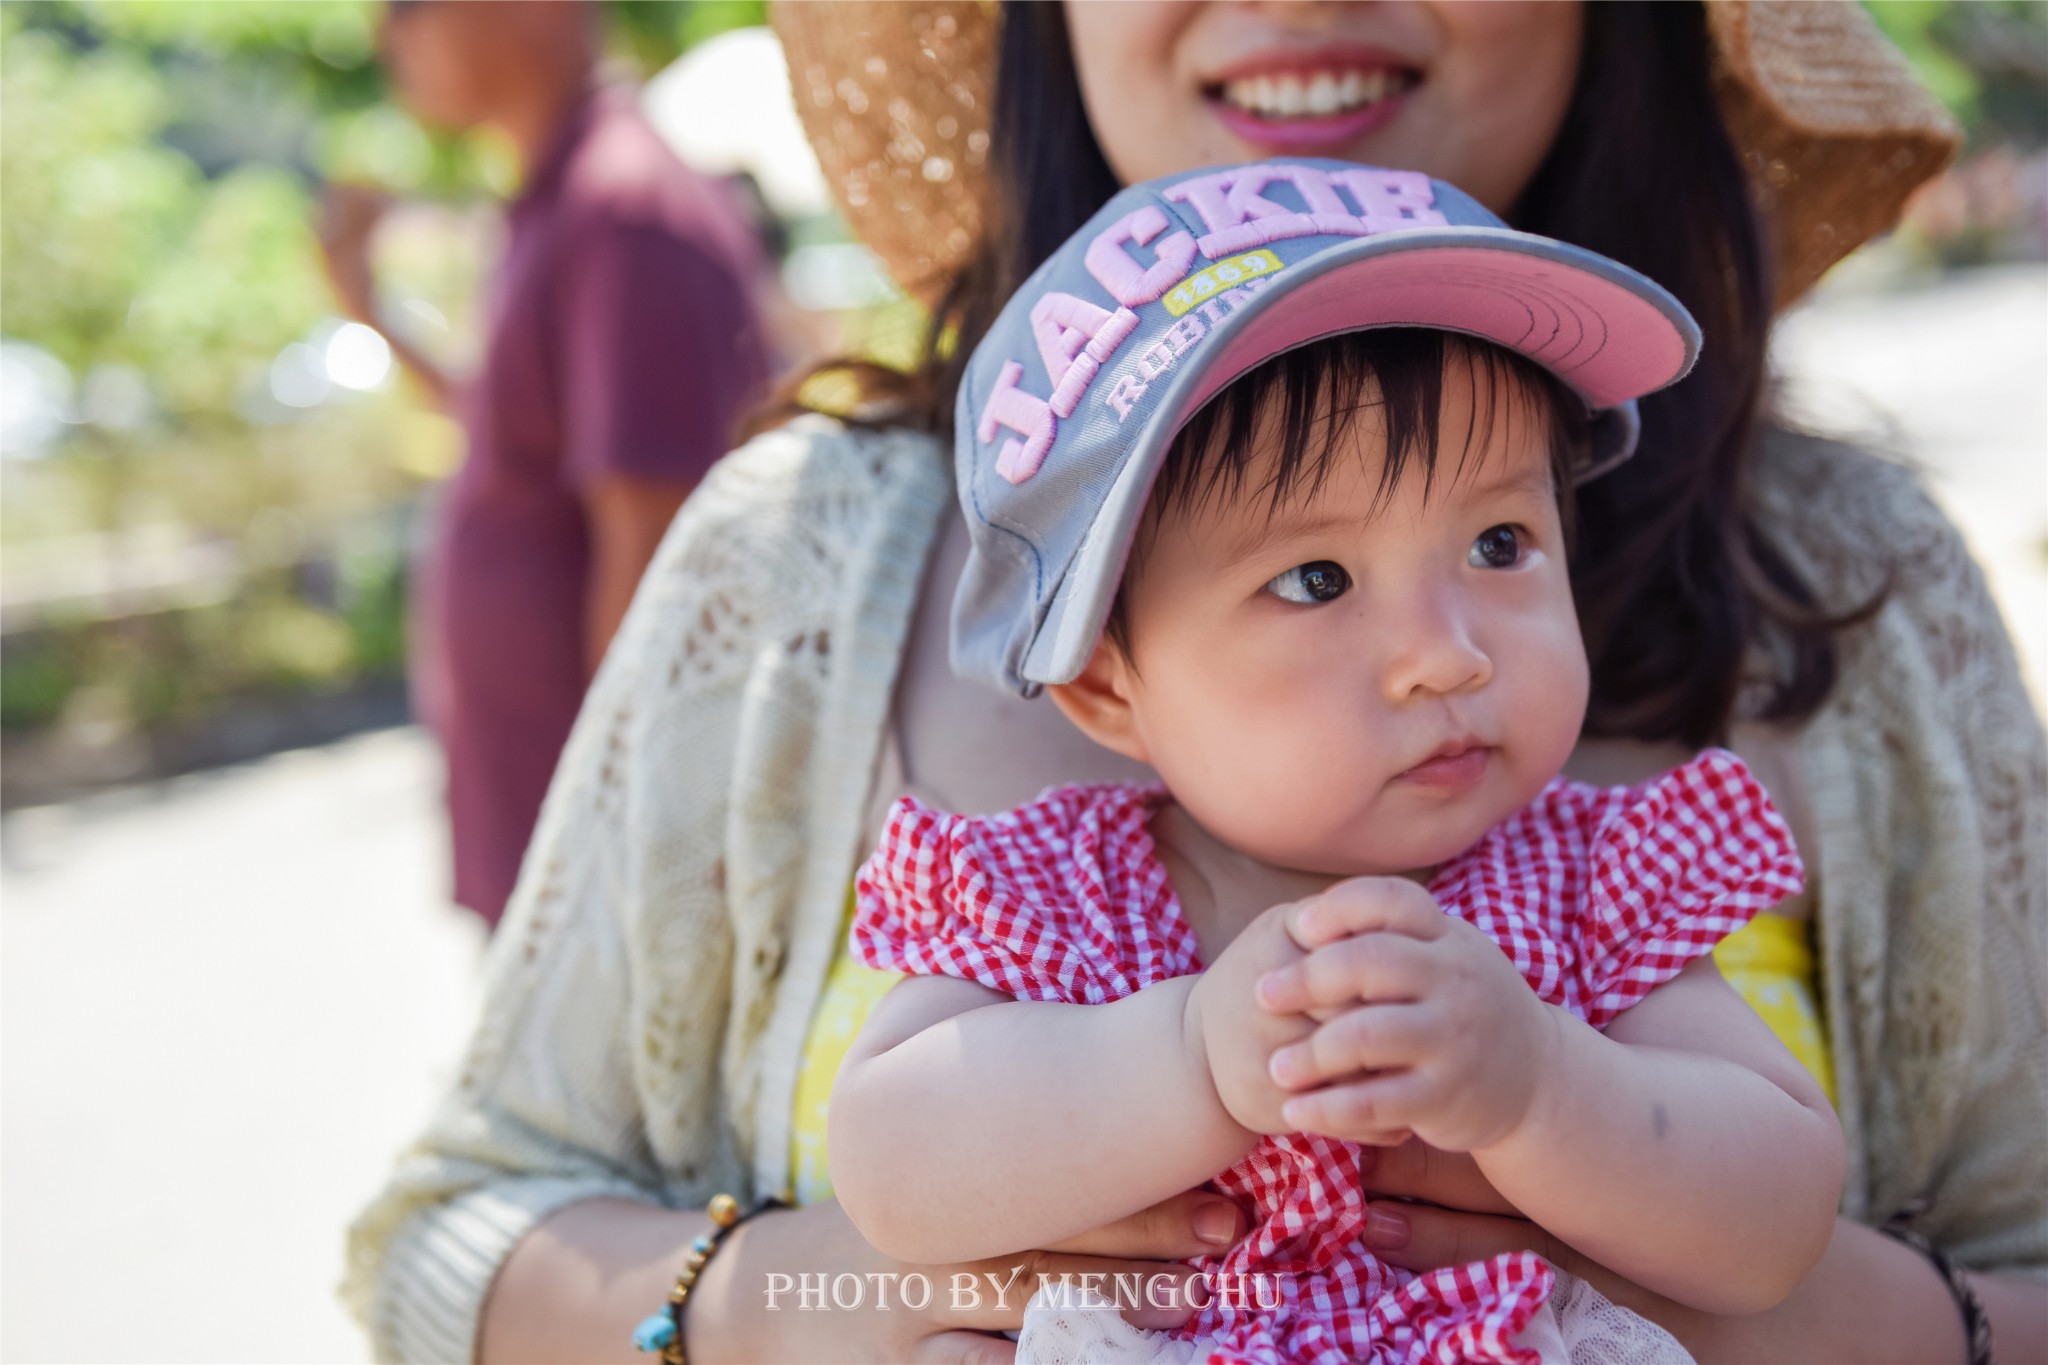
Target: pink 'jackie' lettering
1238	216
1129	283
1029	416
1076	338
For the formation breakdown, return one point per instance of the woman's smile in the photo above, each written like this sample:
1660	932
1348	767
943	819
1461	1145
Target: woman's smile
1471	93
1293	100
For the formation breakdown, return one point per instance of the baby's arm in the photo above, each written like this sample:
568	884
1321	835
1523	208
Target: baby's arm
966	1124
1684	1147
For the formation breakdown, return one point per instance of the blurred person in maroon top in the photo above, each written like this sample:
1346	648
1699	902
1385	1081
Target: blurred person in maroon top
622	344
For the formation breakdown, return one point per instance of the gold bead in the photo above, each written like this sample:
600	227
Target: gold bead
724	1210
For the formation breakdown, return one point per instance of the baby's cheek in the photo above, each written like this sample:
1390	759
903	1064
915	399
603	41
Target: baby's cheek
1315	808
1544	699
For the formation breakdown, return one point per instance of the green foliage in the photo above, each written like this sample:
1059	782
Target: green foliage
653	33
176	665
116	247
155	165
160	163
1985	60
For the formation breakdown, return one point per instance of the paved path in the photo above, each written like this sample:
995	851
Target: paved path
225	1004
1954	379
228	1000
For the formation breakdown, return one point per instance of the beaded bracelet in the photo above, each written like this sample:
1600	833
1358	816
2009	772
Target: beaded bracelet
1976	1323
662	1333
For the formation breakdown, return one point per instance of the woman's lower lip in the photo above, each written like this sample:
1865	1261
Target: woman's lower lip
1304	132
1451	771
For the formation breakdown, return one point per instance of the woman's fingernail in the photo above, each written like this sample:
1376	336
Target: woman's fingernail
1216	1224
1385	1229
1165	1303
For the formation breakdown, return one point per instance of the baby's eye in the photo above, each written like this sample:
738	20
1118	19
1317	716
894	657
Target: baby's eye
1498	547
1321	581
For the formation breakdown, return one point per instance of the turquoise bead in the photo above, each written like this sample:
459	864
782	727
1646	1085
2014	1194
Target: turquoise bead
655	1332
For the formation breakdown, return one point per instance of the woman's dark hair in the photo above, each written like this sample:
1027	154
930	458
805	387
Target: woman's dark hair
1047	176
1677	585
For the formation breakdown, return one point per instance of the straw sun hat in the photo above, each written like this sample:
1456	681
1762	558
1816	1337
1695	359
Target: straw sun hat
895	94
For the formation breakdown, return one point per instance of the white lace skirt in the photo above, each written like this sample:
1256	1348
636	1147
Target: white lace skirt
1579	1326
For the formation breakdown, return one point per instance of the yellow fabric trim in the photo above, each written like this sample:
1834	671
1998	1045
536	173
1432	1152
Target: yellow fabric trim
851	992
1769	963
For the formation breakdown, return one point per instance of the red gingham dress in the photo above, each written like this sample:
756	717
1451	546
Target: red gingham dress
1598	895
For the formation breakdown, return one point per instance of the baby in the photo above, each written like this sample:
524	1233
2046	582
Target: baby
1268	472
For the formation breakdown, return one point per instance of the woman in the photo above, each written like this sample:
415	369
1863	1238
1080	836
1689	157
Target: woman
653	1032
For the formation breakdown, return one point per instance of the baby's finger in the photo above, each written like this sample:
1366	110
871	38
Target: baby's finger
1373	966
1377	1110
1370	1038
1394	904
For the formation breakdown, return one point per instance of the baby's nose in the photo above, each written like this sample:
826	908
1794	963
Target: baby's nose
1435	652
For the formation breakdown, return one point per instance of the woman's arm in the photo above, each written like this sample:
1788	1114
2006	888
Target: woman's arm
575	1286
594	1072
549	1106
968	1124
1928	775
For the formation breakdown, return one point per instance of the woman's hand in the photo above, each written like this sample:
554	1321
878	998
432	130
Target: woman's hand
1428	1208
732	1318
1434	1033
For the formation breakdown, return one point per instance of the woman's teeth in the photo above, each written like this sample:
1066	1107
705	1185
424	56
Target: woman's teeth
1291	94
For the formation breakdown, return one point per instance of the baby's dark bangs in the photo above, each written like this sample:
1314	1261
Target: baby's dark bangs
1316	391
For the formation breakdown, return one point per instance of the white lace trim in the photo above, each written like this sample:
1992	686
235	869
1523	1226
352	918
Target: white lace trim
1579	1326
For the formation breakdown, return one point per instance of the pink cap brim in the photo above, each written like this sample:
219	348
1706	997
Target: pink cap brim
1607	341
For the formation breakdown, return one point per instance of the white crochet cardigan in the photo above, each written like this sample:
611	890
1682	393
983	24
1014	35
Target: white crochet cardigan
649	990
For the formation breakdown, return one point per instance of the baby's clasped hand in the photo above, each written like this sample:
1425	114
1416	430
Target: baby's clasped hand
1230	1036
1426	1027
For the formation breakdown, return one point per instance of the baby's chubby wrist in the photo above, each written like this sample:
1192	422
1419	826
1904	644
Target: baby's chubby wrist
1198	1054
1550	1062
1230	1041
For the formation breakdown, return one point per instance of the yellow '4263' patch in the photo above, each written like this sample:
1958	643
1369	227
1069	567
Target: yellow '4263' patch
1206	284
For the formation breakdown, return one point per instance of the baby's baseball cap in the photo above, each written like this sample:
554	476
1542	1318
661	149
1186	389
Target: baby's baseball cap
1179	286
